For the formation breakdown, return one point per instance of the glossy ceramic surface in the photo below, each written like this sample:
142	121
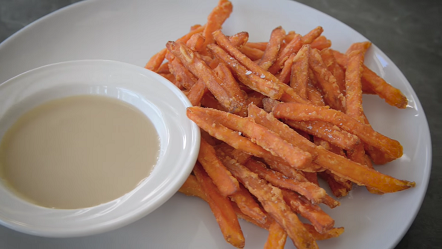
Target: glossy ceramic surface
132	31
165	106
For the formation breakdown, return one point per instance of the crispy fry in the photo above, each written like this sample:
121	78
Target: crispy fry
334	68
221	177
311	191
155	61
277	237
258	45
313	94
319	219
248	205
196	93
272	49
252	53
164	68
238	155
191	187
299	76
231	85
332	233
272	200
321	43
182	75
312	177
260	135
193	31
196	42
332	94
209	101
221	208
312	35
239	39
285	53
284	75
390	94
216	19
364	132
201	70
245	76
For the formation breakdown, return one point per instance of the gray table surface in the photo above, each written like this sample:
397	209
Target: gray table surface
408	31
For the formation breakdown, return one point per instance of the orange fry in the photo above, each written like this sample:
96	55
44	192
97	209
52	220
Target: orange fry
199	68
334	68
277	237
239	39
390	94
332	233
285	53
312	35
245	76
230	84
260	135
258	45
299	76
155	61
196	93
221	208
191	187
252	53
221	177
284	75
332	94
272	49
248	205
302	112
311	191
321	43
196	42
182	75
216	19
164	68
319	219
348	169
272	200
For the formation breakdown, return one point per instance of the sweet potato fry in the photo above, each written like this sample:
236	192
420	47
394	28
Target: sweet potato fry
196	42
216	19
191	187
248	205
390	94
277	237
258	45
332	94
155	61
320	43
354	171
171	78
221	208
334	68
313	94
332	233
164	68
260	135
324	130
312	35
272	49
221	177
311	191
193	31
319	219
299	76
196	93
312	177
231	85
336	187
202	71
182	75
272	200
209	101
285	53
303	112
239	39
284	75
252	53
239	155
245	76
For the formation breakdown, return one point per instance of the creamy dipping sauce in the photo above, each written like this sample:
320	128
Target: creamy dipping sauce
78	152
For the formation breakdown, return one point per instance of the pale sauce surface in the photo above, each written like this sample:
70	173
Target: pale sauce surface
78	152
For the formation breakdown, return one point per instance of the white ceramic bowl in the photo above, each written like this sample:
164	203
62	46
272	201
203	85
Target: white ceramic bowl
156	97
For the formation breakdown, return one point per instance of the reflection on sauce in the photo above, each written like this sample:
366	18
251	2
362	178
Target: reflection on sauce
78	152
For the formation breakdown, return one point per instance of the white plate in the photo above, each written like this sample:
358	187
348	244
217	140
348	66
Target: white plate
132	31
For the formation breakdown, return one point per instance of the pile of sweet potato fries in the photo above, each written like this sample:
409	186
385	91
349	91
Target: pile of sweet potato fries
274	116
